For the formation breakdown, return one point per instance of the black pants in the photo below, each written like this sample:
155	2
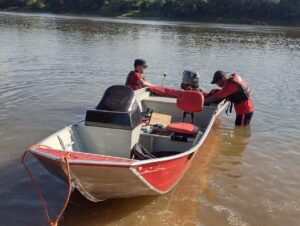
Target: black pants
243	120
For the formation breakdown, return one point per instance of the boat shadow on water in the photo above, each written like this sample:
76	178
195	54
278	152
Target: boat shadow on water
81	211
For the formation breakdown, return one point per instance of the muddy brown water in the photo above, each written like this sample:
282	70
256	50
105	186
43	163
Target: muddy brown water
52	68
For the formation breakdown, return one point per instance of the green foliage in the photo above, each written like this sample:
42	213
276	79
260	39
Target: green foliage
74	5
251	10
12	3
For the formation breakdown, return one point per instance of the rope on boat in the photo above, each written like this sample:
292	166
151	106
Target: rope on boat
64	159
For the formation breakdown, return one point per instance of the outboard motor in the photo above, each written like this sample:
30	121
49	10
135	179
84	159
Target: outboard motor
190	80
118	109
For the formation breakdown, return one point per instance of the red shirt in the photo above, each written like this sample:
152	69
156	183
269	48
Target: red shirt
242	108
133	81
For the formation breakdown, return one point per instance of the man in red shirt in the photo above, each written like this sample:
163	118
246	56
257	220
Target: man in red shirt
237	91
135	78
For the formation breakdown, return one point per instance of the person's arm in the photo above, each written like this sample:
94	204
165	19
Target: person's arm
226	91
144	83
165	92
212	99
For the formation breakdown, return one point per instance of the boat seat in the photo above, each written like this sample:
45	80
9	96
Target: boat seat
183	128
113	128
118	109
190	102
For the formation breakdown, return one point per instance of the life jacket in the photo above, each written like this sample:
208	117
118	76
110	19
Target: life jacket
136	86
244	92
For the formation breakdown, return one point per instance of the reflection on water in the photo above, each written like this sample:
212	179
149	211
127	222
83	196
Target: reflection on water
52	68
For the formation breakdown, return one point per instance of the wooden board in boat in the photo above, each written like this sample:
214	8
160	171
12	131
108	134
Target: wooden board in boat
162	119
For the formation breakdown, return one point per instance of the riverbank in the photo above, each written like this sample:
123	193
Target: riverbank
158	17
243	20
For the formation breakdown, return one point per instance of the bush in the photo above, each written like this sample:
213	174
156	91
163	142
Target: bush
251	10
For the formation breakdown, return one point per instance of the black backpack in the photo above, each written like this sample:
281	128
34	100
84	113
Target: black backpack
138	152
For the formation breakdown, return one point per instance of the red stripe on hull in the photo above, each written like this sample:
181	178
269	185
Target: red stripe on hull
82	156
38	156
164	175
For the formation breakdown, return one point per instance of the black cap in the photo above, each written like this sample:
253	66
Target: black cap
140	62
217	76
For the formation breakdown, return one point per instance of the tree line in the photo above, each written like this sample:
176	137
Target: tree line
278	10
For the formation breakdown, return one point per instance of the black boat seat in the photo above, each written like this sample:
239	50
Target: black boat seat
118	109
113	128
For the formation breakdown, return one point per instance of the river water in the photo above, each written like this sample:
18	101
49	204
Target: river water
52	68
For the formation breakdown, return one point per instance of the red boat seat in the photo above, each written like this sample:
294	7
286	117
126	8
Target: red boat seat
183	128
190	101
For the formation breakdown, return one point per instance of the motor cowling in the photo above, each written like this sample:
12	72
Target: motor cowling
190	80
